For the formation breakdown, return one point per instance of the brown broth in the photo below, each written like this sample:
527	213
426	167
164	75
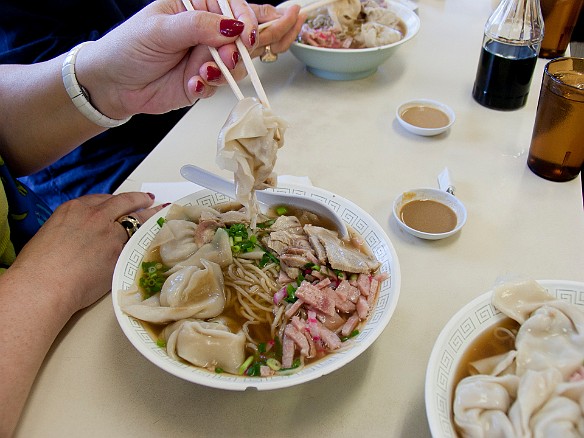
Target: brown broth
425	116
428	216
485	345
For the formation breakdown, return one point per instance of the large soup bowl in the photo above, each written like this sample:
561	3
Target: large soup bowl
129	264
454	340
350	64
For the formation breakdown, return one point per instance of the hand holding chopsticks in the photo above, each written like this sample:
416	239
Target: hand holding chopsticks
226	10
251	71
306	7
224	70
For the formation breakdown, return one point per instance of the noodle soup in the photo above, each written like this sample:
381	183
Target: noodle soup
252	302
526	377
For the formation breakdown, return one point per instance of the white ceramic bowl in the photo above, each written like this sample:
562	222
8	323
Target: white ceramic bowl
129	264
426	132
349	64
454	339
430	194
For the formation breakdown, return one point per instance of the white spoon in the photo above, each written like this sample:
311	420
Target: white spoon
267	199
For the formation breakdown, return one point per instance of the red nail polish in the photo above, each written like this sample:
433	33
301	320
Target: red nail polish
166	204
252	37
151	195
200	86
213	73
230	28
235	58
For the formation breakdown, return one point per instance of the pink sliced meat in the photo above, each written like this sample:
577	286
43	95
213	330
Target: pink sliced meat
345	306
294	308
287	352
346	289
316	298
299	339
364	284
332	322
331	340
362	307
302	326
323	283
350	325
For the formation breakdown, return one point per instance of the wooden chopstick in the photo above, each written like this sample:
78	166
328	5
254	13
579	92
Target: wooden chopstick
251	71
304	10
226	73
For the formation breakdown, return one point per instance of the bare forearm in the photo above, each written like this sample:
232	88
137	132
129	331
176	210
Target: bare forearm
31	316
40	114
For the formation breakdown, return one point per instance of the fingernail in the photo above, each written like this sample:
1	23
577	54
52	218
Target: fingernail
200	87
252	37
151	195
213	73
166	204
230	28
235	58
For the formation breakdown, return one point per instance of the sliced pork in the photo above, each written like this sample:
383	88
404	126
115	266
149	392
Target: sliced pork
339	255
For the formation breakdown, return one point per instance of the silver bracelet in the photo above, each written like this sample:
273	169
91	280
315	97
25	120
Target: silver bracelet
79	95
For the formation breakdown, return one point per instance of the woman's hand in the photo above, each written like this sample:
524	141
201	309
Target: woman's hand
159	59
75	251
283	32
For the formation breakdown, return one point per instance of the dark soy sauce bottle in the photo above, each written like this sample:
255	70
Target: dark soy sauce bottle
511	43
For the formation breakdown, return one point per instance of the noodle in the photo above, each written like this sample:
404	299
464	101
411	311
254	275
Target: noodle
277	320
504	334
253	289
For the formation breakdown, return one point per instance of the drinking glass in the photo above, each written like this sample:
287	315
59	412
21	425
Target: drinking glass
557	144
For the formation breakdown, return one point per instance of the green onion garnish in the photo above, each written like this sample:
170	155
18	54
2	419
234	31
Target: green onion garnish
274	364
152	278
291	293
266	224
244	365
351	335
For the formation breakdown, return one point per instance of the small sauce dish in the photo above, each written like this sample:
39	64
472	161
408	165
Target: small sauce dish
425	117
429	213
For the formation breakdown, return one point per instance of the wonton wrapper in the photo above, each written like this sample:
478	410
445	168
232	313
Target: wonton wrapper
191	292
247	147
217	251
206	344
376	35
175	241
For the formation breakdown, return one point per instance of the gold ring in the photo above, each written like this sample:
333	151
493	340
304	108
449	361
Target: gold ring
130	224
268	55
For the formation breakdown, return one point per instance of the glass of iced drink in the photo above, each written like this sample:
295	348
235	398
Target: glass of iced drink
557	144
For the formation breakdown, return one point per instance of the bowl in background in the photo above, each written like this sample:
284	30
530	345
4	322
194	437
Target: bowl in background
430	117
423	194
350	64
455	338
358	220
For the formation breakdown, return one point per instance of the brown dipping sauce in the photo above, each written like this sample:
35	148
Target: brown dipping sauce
428	216
424	116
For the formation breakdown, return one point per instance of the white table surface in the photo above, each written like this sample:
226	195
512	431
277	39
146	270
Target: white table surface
345	138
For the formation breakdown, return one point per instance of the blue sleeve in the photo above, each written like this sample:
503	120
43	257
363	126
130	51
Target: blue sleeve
35	30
